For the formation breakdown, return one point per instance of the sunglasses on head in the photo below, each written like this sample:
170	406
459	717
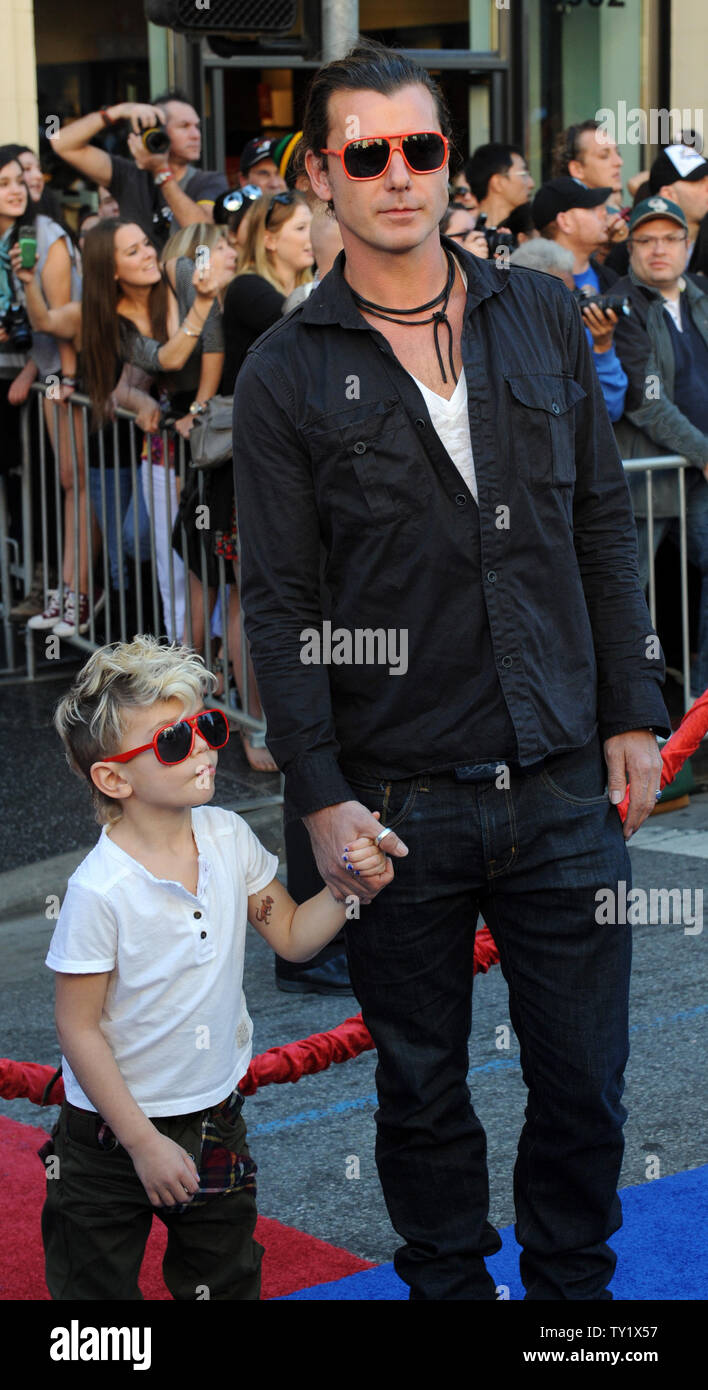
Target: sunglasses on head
284	198
235	200
425	151
173	743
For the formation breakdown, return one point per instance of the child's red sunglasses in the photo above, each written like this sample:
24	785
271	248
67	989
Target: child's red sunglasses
425	152
173	743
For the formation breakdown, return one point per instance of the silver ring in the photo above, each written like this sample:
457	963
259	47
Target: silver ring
381	834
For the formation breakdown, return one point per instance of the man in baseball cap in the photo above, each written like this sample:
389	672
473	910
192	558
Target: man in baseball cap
680	174
568	212
258	166
663	347
563	195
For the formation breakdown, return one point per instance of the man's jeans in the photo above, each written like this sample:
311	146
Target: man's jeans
697	548
531	859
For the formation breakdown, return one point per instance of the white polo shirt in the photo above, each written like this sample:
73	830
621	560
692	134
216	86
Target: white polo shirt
175	1015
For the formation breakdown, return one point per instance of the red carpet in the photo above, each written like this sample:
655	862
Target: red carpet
292	1260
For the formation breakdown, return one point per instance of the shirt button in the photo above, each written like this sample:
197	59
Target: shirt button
492	576
507	661
420	423
197	915
202	934
555	408
360	448
460	499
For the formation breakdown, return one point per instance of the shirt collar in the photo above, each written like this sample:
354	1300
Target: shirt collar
332	301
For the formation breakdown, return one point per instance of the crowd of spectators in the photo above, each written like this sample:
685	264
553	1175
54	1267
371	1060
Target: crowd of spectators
152	300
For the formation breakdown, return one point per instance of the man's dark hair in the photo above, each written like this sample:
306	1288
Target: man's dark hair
172	94
368	66
486	161
567	147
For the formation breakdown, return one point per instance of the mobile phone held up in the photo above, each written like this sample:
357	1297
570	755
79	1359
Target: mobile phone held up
27	242
201	260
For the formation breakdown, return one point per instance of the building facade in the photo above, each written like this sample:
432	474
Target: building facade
518	70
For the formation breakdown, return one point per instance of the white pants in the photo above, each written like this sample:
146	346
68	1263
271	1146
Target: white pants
166	557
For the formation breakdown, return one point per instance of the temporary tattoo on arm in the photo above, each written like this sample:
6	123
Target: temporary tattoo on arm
264	911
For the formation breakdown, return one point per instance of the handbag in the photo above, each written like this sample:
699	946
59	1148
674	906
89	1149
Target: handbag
210	435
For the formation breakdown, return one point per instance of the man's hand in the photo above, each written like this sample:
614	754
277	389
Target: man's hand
335	827
142	115
476	244
617	230
634	757
166	1170
143	158
601	325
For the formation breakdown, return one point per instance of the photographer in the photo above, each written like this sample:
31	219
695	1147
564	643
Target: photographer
664	350
159	188
576	217
499	179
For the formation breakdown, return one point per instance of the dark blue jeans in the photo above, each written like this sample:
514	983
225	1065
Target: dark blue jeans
530	858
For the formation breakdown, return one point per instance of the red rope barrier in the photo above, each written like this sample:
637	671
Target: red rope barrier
314	1054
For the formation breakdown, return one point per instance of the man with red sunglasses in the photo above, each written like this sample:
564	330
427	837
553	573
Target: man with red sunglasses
434	458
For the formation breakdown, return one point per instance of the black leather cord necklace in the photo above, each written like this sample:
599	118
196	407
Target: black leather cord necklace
382	311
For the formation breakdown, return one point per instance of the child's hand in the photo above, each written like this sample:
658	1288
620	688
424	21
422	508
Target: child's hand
166	1171
363	857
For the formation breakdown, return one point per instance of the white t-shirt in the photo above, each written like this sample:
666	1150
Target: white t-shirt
451	421
175	1015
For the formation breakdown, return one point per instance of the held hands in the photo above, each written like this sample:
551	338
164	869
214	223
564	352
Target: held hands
364	858
166	1170
634	757
344	824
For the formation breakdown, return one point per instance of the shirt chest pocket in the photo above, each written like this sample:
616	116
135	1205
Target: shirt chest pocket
369	469
542	423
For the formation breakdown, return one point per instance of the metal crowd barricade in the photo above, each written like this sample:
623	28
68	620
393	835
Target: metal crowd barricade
648	466
149	583
160	597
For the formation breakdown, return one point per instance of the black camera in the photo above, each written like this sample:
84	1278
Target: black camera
493	237
17	326
619	303
155	139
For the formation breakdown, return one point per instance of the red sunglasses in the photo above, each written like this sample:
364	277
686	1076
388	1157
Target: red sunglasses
425	152
173	743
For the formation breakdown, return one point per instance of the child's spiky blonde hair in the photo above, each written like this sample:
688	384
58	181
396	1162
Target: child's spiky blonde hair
124	675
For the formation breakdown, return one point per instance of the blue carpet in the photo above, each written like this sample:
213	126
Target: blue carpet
660	1247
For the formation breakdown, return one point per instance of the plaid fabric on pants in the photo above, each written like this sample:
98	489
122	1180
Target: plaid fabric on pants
97	1216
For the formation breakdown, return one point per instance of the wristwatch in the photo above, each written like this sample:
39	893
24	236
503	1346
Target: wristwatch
162	176
197	407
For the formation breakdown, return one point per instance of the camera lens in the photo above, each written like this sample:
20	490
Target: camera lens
156	140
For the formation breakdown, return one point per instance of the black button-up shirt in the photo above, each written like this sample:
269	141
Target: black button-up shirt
525	623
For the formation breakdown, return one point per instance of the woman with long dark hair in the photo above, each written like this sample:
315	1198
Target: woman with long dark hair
42	356
128	314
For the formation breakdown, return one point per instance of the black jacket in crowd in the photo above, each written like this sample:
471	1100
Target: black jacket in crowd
336	459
